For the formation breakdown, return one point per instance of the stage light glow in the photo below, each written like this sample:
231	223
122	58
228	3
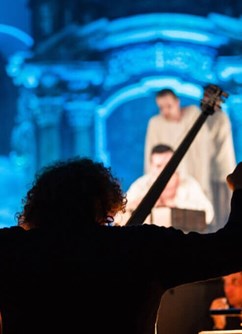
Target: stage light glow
145	35
161	20
16	33
31	81
231	71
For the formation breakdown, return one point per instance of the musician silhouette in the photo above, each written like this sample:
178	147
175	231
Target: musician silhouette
68	271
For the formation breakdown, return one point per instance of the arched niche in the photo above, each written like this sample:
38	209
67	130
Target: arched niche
121	121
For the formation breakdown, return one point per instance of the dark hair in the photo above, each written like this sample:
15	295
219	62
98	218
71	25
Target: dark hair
161	148
73	192
165	92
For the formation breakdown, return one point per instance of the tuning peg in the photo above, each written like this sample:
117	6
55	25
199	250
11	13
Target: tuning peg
224	94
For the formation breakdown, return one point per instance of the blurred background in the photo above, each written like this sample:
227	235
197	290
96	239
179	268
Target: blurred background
78	78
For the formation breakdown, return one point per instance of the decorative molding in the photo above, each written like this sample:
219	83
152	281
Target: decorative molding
48	111
80	113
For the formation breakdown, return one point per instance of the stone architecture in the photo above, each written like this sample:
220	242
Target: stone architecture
87	86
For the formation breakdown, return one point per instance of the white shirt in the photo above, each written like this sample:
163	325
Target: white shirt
189	195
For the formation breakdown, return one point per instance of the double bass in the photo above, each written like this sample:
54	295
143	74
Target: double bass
213	96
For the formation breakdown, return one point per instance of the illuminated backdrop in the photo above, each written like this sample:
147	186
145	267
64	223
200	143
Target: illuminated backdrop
87	87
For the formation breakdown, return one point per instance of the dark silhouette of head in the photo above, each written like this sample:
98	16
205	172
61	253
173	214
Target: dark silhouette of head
161	148
72	193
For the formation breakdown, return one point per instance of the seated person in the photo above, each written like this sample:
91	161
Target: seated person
232	286
182	191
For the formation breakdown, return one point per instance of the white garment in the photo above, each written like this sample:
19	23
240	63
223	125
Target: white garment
189	195
223	161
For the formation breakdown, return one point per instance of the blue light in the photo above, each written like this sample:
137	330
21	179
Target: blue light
187	35
151	34
162	20
230	71
17	33
143	88
31	81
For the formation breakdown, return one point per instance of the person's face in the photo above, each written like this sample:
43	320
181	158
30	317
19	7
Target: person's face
158	161
169	107
233	289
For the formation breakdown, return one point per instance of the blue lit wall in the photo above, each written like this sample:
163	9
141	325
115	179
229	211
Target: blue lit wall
95	96
15	36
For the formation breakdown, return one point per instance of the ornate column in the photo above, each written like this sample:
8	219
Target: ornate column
80	116
47	117
23	137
